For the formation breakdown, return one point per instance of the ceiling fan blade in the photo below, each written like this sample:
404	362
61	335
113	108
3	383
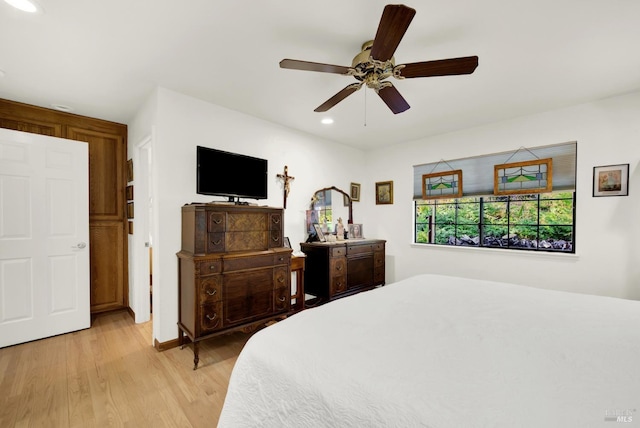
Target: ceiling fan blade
393	24
350	89
442	67
295	64
393	99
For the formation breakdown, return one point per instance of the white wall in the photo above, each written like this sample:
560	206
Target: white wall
607	132
181	123
607	260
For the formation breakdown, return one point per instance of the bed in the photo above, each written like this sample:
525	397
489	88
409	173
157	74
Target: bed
438	351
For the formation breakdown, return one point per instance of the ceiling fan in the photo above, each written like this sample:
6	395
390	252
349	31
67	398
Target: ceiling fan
375	63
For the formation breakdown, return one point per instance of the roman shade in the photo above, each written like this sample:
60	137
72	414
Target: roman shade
478	171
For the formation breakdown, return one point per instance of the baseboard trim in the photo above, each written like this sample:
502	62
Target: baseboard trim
163	346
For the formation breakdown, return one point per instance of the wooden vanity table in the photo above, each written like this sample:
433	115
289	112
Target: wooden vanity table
342	268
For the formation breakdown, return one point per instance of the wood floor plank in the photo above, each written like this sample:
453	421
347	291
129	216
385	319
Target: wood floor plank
111	376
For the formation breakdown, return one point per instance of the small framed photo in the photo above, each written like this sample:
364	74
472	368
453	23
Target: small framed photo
384	192
129	192
319	233
287	243
129	209
611	180
355	192
355	231
129	170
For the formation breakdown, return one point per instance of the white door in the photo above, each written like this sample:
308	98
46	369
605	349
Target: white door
44	237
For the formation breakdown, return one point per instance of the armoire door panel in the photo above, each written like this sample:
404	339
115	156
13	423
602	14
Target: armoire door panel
106	273
106	178
34	127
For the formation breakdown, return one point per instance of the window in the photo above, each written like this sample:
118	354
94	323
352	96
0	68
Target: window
539	222
479	218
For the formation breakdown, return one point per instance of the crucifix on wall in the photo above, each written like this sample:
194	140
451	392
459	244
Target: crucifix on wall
286	180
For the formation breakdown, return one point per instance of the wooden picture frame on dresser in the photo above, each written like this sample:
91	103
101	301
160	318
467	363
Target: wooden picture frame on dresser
234	271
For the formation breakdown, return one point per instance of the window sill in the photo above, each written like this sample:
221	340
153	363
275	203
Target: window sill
506	252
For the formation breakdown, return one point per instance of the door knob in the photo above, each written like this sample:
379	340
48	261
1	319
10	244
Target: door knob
80	245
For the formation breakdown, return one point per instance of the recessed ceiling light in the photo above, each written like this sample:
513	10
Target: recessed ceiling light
327	121
30	6
61	107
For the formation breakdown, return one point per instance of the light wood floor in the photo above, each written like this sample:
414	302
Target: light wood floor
111	376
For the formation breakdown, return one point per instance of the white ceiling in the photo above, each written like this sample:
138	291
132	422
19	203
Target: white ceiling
103	58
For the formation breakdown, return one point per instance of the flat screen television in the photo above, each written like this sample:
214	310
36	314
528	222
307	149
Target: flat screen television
236	176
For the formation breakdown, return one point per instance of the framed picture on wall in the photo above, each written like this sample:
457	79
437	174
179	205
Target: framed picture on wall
355	192
384	192
611	180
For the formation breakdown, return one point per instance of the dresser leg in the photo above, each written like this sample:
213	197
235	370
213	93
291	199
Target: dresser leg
180	338
196	357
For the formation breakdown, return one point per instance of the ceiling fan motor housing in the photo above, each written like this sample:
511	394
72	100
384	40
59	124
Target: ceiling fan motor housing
369	70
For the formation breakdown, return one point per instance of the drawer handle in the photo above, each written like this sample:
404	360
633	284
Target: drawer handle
212	292
276	238
276	220
339	267
281	279
282	299
212	267
216	242
218	221
211	318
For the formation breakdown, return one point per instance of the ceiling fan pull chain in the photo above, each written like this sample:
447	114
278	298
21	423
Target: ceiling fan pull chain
365	107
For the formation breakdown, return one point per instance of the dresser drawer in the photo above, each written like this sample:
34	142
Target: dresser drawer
211	317
275	220
359	249
378	260
215	242
208	267
282	299
282	258
241	263
338	266
338	252
275	239
338	285
378	276
281	277
210	288
216	221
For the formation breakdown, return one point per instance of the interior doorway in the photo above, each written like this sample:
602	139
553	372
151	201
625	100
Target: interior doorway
142	244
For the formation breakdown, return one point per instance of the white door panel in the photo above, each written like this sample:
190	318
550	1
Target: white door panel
44	237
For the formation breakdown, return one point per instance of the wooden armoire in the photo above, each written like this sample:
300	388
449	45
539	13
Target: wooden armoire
107	180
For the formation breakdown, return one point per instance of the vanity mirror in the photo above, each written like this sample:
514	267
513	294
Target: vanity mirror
327	206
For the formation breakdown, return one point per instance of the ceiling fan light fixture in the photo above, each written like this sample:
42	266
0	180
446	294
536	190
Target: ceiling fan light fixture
326	121
29	6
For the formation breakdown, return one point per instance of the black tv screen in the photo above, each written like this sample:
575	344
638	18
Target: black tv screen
221	173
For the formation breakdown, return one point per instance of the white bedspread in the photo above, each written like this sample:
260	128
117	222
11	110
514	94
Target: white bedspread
437	351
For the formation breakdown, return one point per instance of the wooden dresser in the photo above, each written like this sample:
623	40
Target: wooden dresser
234	272
342	268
